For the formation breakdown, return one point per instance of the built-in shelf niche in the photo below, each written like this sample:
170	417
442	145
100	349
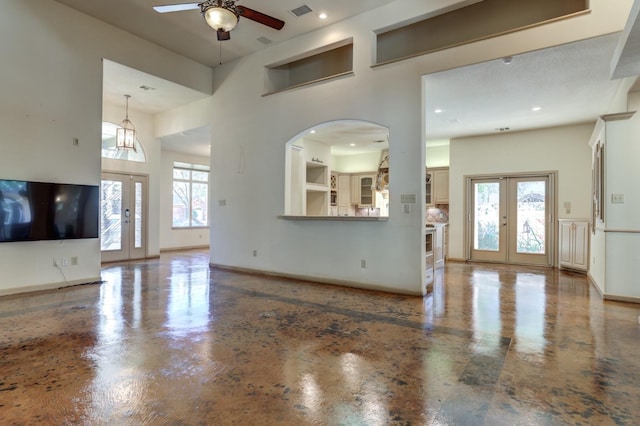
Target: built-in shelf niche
325	63
317	174
479	21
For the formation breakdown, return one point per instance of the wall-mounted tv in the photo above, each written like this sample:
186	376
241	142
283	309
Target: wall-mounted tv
36	211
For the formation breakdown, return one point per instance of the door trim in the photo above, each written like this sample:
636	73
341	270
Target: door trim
551	215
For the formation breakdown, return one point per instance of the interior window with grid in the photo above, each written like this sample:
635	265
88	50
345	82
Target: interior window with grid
190	196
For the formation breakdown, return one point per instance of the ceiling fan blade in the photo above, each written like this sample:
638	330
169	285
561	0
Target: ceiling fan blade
260	18
223	35
176	7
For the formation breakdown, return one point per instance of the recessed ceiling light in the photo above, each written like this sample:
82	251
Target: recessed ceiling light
536	108
438	110
507	60
322	16
352	144
312	132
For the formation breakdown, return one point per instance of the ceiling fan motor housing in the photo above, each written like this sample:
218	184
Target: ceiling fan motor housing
221	15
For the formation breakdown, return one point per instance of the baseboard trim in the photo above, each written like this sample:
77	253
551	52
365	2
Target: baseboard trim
312	279
184	248
617	298
47	287
594	285
612	297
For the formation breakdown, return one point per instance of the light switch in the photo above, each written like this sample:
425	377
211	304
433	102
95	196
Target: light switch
408	198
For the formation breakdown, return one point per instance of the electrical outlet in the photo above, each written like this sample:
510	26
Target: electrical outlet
617	198
255	253
222	203
363	264
406	208
74	260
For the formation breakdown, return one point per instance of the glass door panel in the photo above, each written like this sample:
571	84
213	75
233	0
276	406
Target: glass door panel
111	218
487	216
528	206
138	215
488	242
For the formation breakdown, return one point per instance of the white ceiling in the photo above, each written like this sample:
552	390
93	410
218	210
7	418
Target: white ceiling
570	83
187	33
349	137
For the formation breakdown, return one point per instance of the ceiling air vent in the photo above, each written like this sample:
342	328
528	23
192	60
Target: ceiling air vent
264	40
302	10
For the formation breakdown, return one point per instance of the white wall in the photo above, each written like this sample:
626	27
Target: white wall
388	95
437	156
615	245
561	149
357	163
51	77
177	238
622	174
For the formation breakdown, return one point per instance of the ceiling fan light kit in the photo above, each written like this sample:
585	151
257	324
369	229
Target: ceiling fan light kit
220	15
223	15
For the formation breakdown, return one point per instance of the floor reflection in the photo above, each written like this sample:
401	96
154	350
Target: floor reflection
171	341
530	312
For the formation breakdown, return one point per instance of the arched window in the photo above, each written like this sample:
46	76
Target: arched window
109	146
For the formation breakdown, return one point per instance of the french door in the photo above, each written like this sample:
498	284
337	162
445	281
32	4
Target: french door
510	220
123	217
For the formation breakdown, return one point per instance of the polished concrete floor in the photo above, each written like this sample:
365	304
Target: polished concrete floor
171	341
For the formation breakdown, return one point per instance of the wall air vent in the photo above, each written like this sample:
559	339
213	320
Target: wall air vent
264	40
302	10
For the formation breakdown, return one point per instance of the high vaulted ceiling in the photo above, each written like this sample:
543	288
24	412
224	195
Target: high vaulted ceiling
187	33
570	83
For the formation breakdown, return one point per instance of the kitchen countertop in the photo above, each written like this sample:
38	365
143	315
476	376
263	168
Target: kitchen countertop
339	218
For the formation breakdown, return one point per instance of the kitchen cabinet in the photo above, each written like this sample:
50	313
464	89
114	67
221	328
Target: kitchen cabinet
429	258
344	194
362	190
573	240
437	186
438	249
438	244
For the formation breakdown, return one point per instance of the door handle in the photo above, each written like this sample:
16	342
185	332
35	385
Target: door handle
127	214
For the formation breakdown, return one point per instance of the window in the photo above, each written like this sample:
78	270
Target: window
190	195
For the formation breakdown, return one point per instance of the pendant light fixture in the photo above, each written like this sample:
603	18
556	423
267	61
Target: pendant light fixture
126	132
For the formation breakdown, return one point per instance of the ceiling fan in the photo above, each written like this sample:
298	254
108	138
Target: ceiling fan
223	15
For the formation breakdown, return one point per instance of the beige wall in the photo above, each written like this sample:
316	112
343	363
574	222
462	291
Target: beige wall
561	149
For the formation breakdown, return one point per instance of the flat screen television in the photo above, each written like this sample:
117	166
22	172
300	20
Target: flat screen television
36	211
